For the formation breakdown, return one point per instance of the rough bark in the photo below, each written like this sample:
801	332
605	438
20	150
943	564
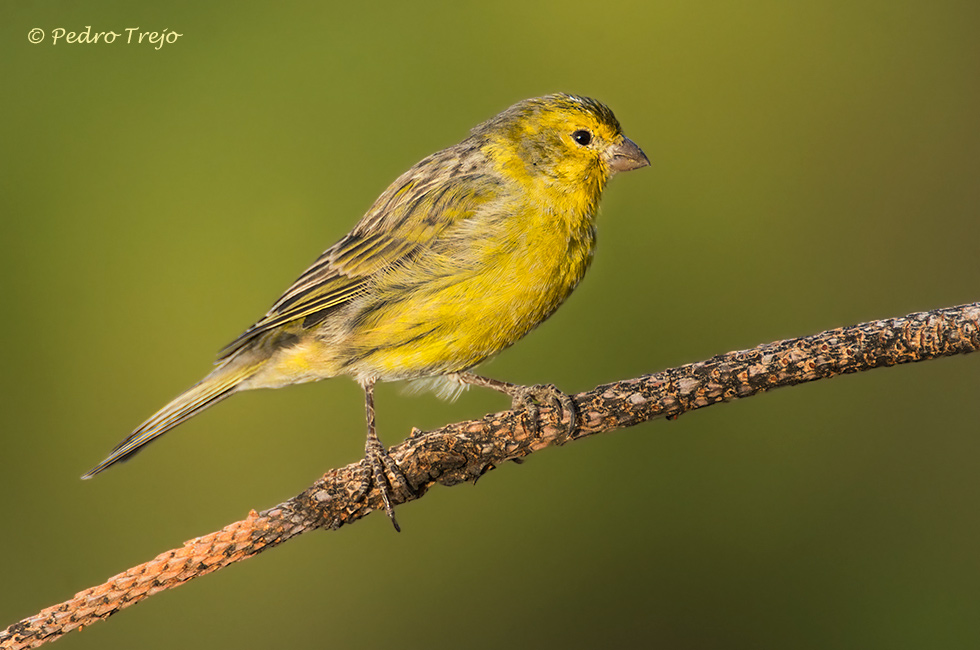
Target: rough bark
464	451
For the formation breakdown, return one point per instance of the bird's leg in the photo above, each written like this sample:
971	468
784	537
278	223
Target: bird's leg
529	398
384	470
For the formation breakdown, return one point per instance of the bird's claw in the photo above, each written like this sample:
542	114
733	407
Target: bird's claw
387	476
530	398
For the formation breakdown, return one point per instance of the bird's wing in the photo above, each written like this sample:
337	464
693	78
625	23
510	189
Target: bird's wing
412	214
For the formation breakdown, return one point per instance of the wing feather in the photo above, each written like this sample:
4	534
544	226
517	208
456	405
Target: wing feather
410	216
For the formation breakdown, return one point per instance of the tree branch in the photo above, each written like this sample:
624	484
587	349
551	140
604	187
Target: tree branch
465	451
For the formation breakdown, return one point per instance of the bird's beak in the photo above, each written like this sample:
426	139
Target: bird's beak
625	156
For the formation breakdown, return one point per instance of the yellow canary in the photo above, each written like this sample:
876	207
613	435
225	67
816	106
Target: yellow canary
460	257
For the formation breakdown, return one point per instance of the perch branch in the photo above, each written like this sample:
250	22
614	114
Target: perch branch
465	451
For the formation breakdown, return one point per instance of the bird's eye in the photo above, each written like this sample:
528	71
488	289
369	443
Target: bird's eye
582	136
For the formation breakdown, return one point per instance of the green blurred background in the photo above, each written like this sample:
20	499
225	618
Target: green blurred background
814	165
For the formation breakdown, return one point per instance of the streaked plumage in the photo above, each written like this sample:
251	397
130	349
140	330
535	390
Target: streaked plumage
460	257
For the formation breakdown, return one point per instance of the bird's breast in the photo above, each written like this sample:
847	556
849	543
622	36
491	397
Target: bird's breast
471	296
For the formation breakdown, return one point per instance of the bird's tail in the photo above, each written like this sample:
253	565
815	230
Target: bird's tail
223	382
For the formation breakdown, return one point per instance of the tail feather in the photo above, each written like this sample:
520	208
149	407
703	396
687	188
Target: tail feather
223	382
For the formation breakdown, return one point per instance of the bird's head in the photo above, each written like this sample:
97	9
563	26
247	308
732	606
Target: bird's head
564	141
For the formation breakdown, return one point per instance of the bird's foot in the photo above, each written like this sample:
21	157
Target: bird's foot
529	399
387	476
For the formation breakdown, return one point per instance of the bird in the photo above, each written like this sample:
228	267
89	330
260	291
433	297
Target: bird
461	256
